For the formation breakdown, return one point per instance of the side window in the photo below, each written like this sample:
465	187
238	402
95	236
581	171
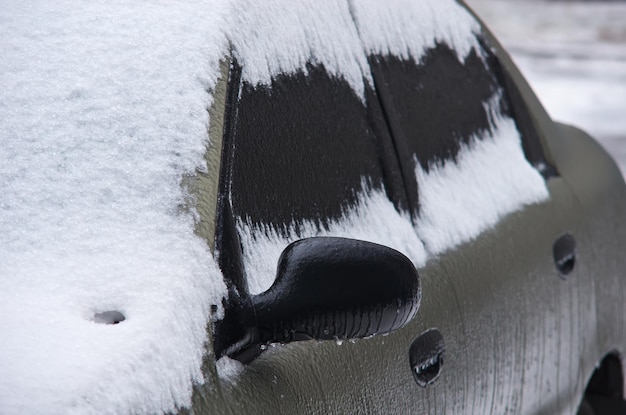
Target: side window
303	151
465	147
303	158
440	103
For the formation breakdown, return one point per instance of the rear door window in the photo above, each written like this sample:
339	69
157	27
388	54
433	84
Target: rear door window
303	151
440	103
461	144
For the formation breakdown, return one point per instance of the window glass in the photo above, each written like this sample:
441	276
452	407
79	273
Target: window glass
441	102
303	150
460	142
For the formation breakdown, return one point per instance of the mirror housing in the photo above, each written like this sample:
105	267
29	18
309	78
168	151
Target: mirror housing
330	288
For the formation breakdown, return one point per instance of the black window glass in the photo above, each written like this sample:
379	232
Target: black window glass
439	103
302	149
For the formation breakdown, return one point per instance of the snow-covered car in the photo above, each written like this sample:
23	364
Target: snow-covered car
296	207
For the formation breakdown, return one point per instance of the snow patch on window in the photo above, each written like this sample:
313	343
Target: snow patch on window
373	219
103	110
408	28
490	179
274	37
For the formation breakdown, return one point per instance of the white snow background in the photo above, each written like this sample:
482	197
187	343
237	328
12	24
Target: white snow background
573	54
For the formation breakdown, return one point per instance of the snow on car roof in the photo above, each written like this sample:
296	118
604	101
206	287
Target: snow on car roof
103	111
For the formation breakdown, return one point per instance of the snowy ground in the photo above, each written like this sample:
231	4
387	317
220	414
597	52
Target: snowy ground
574	56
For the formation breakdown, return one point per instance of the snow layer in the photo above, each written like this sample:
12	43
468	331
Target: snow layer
274	36
490	179
103	110
406	28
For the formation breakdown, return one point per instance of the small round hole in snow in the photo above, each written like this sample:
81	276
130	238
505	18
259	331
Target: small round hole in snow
109	317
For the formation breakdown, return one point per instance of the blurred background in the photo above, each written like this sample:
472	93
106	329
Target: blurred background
573	54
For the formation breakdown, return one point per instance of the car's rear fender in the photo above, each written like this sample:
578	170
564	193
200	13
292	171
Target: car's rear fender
599	186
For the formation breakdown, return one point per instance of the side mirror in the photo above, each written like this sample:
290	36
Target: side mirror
330	288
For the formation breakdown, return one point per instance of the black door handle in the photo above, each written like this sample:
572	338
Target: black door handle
564	251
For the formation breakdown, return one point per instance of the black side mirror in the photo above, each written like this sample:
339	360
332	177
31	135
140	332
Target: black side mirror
330	289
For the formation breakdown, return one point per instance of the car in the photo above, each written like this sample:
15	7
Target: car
298	207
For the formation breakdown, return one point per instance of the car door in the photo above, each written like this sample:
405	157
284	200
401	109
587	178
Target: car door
306	155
